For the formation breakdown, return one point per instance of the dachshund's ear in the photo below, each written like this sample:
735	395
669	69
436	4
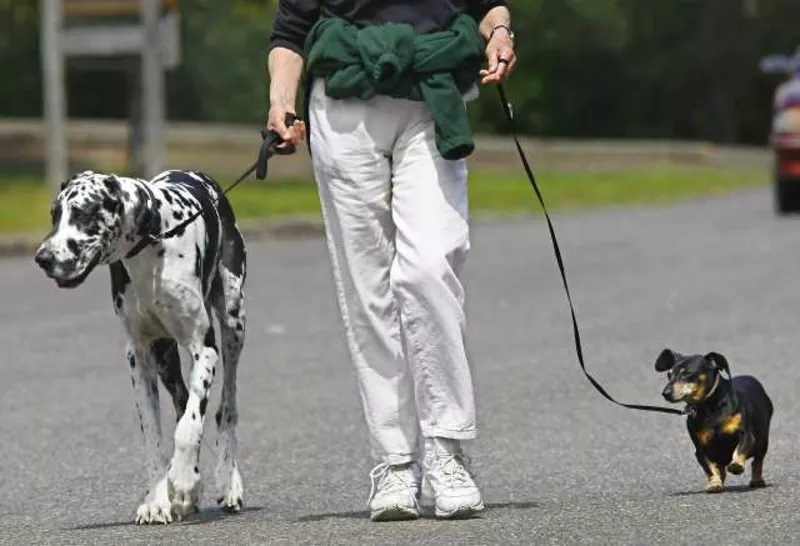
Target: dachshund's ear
666	360
719	362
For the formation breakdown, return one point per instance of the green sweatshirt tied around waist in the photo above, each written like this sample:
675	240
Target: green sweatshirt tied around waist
391	59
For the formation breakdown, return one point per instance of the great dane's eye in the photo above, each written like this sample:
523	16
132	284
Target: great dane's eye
73	246
83	215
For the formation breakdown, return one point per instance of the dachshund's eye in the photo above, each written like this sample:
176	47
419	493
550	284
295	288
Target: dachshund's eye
679	374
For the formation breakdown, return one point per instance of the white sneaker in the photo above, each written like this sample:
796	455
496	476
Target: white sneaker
450	484
394	493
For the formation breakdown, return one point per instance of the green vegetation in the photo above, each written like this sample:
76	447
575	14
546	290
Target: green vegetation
24	201
24	205
587	68
504	192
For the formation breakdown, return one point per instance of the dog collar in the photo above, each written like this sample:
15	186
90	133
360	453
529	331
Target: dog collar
150	236
691	409
710	393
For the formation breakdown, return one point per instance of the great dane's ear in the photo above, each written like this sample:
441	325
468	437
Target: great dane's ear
112	184
67	182
72	178
114	201
719	362
666	360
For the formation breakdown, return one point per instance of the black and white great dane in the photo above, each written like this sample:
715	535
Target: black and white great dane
166	292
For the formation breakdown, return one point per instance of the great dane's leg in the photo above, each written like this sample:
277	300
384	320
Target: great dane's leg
168	359
230	307
184	473
156	507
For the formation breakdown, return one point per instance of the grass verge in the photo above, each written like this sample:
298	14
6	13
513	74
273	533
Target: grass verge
25	202
570	190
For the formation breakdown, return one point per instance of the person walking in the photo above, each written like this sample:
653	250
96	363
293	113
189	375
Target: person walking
387	84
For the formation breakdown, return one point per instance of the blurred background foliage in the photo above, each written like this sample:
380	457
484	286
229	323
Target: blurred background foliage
684	69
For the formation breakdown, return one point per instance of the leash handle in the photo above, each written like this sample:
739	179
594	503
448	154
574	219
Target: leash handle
508	109
269	146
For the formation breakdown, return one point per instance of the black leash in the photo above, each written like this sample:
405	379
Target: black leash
269	147
509	112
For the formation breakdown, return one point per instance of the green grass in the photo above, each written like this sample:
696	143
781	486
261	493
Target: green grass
570	190
24	201
24	205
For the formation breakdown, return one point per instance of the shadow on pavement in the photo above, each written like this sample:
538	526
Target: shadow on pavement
364	514
728	489
208	515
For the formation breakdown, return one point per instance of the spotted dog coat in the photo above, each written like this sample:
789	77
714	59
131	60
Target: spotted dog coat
166	293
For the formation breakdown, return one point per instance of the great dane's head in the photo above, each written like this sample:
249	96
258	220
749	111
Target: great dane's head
87	217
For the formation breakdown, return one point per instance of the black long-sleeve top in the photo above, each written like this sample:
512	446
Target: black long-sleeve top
296	17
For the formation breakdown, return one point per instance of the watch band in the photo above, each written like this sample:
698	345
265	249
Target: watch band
504	27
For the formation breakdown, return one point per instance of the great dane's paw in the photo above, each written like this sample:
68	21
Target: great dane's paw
157	507
153	512
185	487
757	483
231	499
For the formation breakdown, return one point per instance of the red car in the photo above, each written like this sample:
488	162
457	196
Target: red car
787	171
785	140
785	135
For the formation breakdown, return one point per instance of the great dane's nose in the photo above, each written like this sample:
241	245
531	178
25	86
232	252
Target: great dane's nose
667	392
45	258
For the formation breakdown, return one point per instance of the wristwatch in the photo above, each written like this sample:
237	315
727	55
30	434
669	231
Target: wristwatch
507	29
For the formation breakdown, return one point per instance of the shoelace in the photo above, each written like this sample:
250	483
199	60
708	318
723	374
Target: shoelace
453	470
386	478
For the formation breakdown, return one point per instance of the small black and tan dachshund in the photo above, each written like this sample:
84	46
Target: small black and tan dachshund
728	418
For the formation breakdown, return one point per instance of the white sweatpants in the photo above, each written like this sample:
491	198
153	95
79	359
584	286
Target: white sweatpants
395	214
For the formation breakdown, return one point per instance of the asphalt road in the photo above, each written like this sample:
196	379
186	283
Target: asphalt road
557	463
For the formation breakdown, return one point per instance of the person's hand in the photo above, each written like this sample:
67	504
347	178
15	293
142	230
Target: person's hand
292	135
500	57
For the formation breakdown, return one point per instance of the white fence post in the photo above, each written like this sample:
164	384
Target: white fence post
152	88
52	57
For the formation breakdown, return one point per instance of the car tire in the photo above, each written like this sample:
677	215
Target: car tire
787	195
